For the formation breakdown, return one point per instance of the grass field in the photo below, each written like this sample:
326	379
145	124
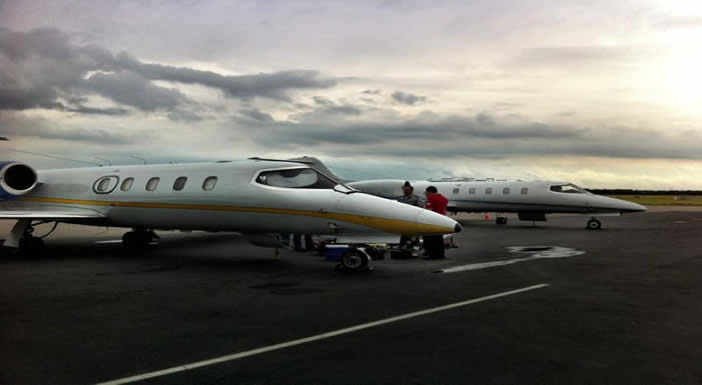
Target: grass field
663	200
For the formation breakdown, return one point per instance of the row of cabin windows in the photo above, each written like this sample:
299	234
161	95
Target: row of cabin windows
105	185
488	191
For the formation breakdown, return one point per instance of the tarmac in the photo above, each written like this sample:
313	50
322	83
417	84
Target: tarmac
549	303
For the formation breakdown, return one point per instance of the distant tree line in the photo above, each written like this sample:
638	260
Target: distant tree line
643	192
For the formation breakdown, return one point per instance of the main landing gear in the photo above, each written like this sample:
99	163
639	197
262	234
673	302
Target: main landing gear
501	220
138	239
593	224
23	239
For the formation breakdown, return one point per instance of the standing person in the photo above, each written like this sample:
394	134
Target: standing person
408	195
434	244
410	198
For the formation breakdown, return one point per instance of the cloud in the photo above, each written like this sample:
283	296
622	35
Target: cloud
371	92
14	125
407	98
132	89
424	130
257	115
44	68
577	57
329	107
429	135
268	85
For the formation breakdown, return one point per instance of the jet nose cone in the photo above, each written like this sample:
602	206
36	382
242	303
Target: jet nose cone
640	208
632	207
434	223
458	228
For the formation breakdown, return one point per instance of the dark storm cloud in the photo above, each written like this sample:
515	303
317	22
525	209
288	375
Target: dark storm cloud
132	89
407	98
271	85
42	68
99	111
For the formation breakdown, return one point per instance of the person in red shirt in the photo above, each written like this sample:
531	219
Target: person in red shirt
435	201
434	244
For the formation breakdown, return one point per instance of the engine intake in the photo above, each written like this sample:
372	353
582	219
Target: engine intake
16	179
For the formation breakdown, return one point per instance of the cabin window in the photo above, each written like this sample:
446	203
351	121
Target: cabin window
106	184
505	191
524	191
209	183
568	189
456	190
488	191
295	178
471	191
127	184
179	183
152	184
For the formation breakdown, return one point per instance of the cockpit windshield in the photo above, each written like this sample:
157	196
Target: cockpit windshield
301	178
568	188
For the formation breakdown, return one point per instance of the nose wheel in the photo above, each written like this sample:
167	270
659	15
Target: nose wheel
594	224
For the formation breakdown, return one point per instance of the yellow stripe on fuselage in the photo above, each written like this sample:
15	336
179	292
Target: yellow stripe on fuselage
383	224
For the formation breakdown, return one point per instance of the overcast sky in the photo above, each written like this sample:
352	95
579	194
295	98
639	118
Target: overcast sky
601	93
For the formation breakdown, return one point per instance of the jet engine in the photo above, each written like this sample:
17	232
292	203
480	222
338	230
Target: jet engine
16	179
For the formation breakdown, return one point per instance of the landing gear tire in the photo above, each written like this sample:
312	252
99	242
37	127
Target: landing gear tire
137	239
354	261
30	245
594	224
501	220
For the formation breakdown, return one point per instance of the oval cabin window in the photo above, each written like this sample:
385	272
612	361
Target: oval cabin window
209	183
106	184
179	183
127	184
152	184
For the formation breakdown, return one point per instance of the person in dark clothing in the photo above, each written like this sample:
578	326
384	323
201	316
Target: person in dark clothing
410	198
434	244
408	195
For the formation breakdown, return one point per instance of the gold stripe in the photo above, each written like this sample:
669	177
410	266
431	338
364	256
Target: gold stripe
383	224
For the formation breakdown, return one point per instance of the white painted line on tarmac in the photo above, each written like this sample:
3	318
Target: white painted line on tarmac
110	241
318	337
533	252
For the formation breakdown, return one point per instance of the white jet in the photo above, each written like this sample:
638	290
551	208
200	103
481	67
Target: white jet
260	198
530	200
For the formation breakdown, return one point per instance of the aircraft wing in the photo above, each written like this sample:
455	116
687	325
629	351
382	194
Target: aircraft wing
51	215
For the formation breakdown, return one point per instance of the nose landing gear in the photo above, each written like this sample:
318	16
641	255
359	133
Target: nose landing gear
138	239
593	224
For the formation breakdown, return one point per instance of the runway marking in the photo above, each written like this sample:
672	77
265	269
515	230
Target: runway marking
318	337
535	252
